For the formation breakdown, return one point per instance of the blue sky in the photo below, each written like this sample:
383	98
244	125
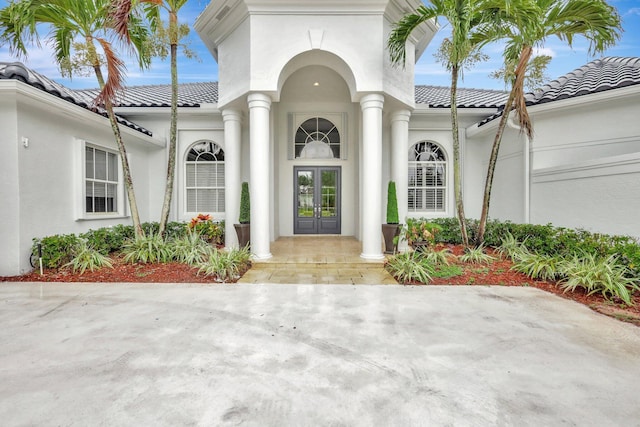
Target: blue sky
427	70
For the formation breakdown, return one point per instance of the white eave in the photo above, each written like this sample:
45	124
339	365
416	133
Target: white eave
42	98
220	18
560	105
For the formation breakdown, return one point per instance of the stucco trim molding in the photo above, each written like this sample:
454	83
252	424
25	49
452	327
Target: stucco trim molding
608	166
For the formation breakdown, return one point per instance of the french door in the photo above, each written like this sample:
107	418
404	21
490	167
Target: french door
317	200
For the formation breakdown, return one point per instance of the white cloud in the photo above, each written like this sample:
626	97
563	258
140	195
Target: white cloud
539	51
633	11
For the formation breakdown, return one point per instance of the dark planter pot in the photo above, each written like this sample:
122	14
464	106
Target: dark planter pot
244	234
390	231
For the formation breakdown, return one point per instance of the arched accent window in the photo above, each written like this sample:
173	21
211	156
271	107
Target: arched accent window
427	178
317	138
204	169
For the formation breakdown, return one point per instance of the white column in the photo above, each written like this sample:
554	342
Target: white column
232	177
399	159
259	106
371	210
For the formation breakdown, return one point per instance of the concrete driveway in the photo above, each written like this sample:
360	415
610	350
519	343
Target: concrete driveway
285	355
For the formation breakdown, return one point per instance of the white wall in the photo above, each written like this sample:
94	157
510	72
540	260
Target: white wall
44	180
10	146
568	131
508	189
600	196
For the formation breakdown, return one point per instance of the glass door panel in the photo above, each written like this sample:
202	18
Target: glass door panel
317	207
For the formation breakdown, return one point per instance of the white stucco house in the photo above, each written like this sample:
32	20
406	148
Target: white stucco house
309	111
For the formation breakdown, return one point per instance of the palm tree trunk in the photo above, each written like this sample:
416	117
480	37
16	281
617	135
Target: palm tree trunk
171	161
516	96
126	170
457	181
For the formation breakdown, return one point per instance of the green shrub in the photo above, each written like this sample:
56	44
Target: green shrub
410	267
150	248
225	266
85	257
57	250
208	229
418	230
548	240
190	249
108	239
392	204
598	275
245	204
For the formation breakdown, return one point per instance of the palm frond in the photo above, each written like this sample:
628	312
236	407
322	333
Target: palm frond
115	77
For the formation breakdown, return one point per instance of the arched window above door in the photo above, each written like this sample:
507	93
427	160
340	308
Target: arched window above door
427	178
317	138
204	178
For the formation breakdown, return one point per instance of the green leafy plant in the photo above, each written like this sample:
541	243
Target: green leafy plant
209	230
543	267
476	256
440	257
190	249
226	266
57	250
410	267
245	204
86	258
420	232
447	271
145	249
510	246
392	204
598	275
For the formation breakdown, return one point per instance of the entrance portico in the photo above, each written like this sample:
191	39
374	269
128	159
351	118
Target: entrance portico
328	74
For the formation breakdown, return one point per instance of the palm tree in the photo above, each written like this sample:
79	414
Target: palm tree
464	16
75	27
595	20
121	13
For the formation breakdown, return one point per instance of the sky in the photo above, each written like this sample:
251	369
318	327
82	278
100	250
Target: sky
428	71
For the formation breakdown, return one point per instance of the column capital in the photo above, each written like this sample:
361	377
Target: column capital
259	100
372	100
231	114
401	116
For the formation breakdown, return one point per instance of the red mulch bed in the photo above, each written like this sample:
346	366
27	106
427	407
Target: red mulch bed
496	273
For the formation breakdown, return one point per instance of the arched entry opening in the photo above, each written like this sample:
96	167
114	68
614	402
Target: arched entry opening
316	163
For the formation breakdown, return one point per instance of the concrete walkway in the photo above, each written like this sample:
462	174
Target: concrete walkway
310	355
318	260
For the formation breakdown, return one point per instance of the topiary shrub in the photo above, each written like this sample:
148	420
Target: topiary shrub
245	204
392	204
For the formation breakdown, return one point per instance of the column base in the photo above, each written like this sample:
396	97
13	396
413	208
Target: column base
372	256
261	257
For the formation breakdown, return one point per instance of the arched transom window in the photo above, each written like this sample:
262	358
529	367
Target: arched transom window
317	138
204	170
427	178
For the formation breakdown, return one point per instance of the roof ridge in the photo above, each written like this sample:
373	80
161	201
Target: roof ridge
461	88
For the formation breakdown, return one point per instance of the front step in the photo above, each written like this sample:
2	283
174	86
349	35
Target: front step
348	273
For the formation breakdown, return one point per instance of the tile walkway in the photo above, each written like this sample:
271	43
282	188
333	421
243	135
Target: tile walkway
317	260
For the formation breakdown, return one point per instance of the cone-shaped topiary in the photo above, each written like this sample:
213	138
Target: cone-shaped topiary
245	205
392	204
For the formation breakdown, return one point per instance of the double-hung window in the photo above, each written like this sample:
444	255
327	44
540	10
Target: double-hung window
101	181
